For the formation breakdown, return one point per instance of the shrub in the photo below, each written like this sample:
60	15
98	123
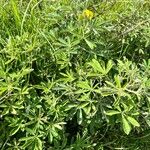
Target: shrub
74	74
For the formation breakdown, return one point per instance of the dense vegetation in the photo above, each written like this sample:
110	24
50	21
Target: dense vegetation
74	74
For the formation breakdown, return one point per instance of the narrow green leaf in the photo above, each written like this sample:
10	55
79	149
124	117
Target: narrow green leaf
112	112
98	91
58	126
15	11
87	109
117	80
50	137
14	130
79	116
54	132
39	144
133	121
90	44
27	138
106	91
109	66
126	125
83	104
110	84
5	111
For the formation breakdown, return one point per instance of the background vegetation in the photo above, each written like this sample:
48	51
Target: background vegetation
74	74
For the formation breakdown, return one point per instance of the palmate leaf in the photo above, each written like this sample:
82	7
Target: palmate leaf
101	68
48	75
67	77
96	66
34	143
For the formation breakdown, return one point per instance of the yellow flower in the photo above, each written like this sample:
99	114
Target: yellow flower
86	14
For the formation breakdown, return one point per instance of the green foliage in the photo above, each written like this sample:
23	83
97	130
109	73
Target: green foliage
74	74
